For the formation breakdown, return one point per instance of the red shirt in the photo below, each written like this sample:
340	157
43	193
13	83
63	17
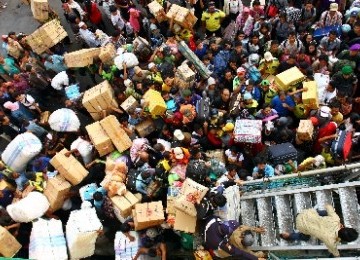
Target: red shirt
327	130
95	15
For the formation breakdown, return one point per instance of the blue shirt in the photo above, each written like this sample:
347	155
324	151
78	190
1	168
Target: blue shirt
57	64
141	184
277	104
268	171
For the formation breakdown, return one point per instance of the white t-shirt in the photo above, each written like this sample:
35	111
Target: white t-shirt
224	178
232	158
84	147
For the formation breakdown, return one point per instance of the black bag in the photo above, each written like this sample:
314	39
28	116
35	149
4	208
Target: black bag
203	108
131	180
282	153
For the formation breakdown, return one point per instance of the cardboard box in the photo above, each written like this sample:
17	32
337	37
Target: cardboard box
129	103
5	185
190	186
305	130
68	167
289	78
148	215
56	190
156	103
107	53
98	98
310	97
46	36
100	139
9	246
117	135
185	73
81	58
124	204
248	131
157	11
145	128
186	206
184	222
182	16
40	10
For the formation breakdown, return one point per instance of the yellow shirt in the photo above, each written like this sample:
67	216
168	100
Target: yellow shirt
338	118
213	20
271	67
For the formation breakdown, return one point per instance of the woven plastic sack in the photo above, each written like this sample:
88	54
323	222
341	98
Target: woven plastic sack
82	231
33	206
21	150
64	120
47	240
232	208
124	248
129	58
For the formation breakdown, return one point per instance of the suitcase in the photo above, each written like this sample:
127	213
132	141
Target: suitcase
203	108
282	153
341	146
319	33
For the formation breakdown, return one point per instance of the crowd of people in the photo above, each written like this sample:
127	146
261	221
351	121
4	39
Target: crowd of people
243	48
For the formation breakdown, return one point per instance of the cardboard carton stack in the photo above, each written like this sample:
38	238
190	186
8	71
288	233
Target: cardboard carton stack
182	16
123	205
305	130
185	73
46	36
157	11
289	78
310	97
69	168
81	58
129	103
117	135
9	246
148	215
100	139
98	98
107	53
156	103
145	128
56	190
40	10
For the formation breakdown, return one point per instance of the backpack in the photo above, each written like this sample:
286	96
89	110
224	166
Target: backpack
131	180
221	61
254	74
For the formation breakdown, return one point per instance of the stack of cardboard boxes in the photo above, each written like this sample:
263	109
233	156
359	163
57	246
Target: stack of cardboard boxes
40	10
81	58
100	139
56	190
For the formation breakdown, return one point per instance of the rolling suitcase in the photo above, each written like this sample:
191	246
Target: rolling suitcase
341	146
282	153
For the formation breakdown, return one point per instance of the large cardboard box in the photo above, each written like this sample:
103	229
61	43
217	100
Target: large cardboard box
182	16
184	222
305	130
100	139
248	131
81	58
40	10
123	205
289	78
189	186
98	98
107	53
117	135
9	246
185	73
156	103
157	11
68	167
46	36
148	215
310	97
145	128
56	190
129	103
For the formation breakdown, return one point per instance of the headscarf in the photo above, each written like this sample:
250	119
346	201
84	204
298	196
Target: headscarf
12	106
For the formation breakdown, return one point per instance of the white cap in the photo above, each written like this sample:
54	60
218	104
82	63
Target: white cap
127	83
178	134
81	24
319	159
211	81
325	111
178	152
268	56
151	65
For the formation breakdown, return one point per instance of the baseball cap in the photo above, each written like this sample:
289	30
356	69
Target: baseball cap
354	13
228	127
265	82
240	70
178	152
325	111
334	7
151	65
127	83
247	96
178	134
81	24
211	81
355	47
347	70
268	56
186	92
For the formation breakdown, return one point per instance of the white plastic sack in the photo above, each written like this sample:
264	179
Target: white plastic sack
231	210
33	206
64	120
322	81
47	240
124	248
129	58
21	150
81	232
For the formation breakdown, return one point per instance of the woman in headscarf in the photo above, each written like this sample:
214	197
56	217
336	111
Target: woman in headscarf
18	112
